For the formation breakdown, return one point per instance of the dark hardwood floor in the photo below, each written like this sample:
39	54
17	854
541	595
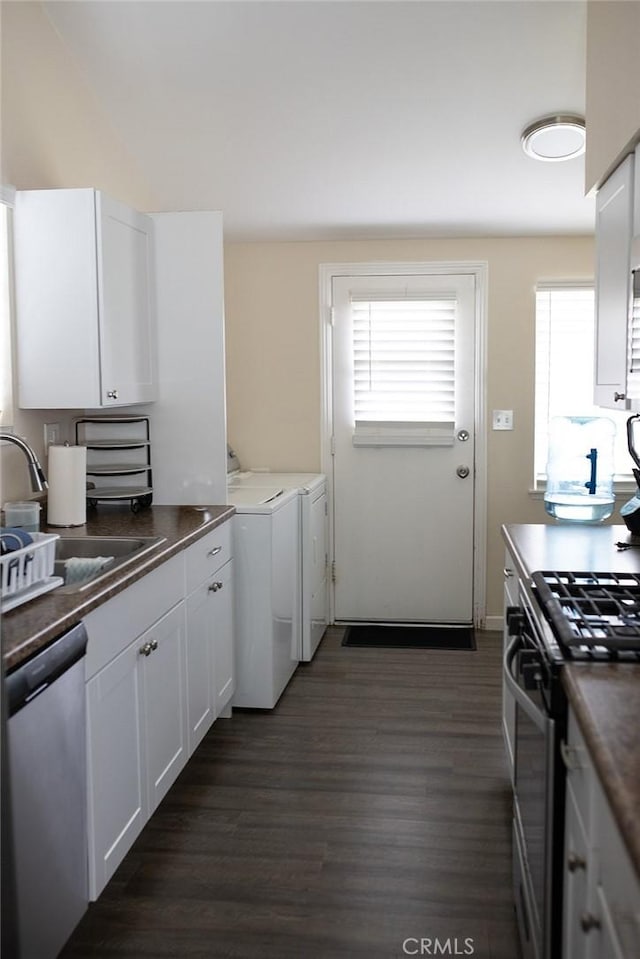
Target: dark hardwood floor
371	807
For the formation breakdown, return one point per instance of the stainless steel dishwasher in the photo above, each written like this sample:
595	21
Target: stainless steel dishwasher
48	776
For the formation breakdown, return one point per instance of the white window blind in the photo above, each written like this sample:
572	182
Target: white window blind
404	369
564	374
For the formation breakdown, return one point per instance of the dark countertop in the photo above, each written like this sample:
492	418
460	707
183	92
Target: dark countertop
606	701
30	627
577	548
604	696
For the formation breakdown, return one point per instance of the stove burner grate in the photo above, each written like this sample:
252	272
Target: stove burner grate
593	615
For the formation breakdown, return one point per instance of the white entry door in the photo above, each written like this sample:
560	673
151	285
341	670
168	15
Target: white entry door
403	399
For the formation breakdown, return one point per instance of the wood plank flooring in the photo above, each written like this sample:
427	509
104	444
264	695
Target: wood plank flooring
371	807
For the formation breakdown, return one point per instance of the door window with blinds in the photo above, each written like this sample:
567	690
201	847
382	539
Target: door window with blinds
404	369
565	342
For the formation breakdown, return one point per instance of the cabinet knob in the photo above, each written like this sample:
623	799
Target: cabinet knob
588	922
112	394
619	396
154	645
146	650
215	587
575	862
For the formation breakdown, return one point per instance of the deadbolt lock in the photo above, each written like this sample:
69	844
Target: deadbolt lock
463	472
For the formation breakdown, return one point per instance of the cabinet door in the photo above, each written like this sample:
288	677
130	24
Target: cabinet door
617	900
576	862
200	640
614	224
161	654
127	312
117	804
56	299
224	674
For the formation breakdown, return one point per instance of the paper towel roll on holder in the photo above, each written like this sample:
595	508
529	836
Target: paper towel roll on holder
66	500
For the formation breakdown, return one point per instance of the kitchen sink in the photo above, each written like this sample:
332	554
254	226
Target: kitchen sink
84	552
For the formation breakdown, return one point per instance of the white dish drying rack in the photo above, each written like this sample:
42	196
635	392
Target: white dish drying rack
27	572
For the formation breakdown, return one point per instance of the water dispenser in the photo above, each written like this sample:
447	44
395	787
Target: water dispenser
580	469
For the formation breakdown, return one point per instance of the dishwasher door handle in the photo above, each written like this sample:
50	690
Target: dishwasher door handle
30	679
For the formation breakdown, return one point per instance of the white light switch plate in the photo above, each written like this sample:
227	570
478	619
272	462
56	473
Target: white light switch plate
503	419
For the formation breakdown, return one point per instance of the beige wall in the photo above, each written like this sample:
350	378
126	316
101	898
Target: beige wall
54	134
273	355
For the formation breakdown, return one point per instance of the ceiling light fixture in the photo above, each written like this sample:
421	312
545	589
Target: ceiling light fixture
557	137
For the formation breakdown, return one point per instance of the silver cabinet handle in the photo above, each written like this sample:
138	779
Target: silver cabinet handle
575	862
508	573
112	394
215	587
215	551
149	647
588	922
619	396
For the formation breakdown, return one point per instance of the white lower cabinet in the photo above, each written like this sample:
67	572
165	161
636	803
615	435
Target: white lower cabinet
160	668
117	802
210	646
601	889
161	663
137	739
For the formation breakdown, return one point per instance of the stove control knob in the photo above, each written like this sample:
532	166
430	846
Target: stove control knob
515	621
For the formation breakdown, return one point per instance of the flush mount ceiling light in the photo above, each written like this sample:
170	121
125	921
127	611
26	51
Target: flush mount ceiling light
558	137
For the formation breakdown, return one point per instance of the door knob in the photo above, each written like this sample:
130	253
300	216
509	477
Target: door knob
463	472
463	435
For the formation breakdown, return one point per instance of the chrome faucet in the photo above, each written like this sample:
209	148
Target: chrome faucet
36	473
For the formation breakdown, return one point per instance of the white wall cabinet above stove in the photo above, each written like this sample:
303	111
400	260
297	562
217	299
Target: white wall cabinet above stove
614	229
84	301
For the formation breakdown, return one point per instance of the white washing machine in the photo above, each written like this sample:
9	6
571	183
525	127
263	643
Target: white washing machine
266	564
313	600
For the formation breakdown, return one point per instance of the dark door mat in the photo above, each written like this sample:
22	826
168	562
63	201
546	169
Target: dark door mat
411	637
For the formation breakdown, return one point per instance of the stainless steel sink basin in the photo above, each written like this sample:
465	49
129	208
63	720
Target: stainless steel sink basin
84	551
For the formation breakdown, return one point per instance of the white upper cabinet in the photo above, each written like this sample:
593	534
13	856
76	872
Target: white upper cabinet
84	301
614	229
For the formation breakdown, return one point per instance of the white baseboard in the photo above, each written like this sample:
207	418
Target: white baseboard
494	622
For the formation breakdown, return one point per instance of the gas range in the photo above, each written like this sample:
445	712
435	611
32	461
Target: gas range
594	616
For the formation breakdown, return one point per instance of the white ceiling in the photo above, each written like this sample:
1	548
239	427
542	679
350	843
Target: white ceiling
343	119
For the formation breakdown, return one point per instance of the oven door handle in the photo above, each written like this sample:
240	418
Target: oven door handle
538	716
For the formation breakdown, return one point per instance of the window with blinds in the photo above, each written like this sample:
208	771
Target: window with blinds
404	369
564	372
